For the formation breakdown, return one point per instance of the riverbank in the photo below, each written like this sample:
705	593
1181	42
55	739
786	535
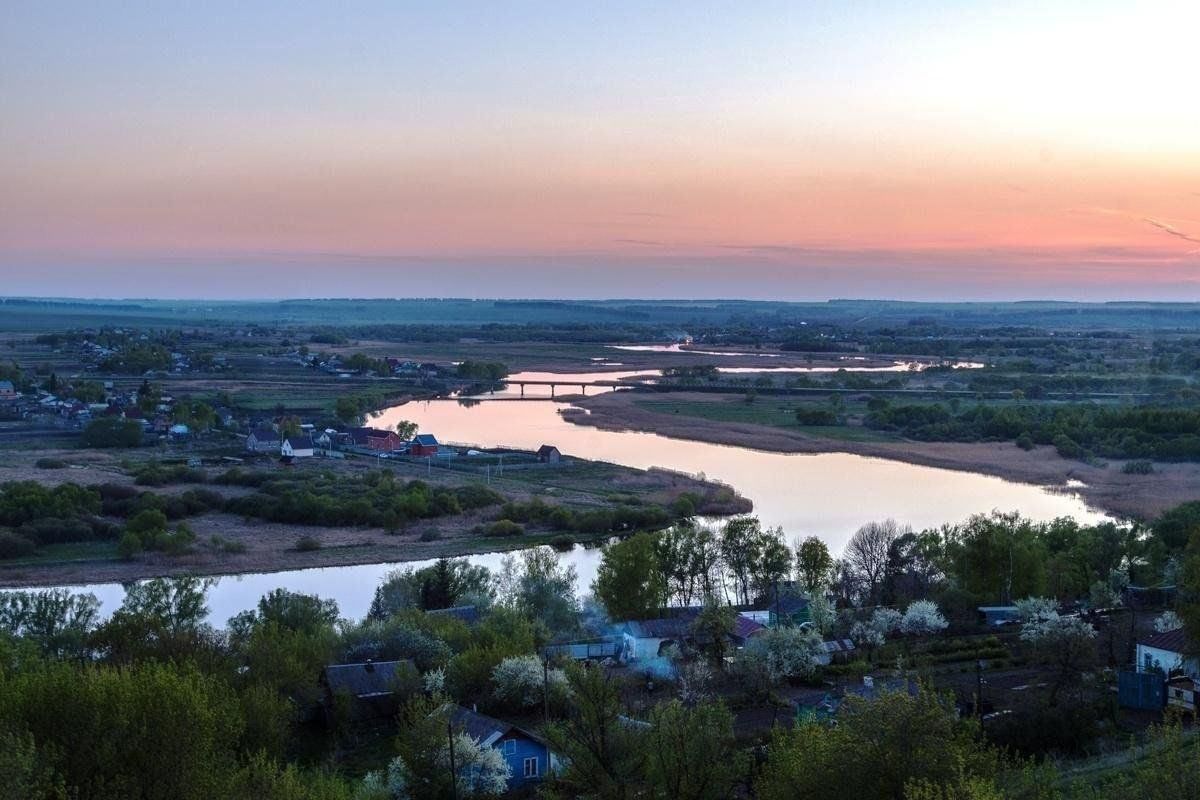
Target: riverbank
229	544
1105	488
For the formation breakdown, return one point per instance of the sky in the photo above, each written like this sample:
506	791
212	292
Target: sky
928	149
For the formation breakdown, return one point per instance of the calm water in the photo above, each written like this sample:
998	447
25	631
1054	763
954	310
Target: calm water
827	495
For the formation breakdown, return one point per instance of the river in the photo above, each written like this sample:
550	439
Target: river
827	495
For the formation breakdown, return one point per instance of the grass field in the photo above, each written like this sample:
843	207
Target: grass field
768	412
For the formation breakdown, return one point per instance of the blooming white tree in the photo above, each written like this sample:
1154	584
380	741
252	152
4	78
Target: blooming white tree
696	679
1032	608
865	637
480	771
788	652
1064	643
821	612
434	681
886	620
519	681
922	617
1168	621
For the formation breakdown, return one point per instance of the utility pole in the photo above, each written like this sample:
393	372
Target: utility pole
546	689
453	771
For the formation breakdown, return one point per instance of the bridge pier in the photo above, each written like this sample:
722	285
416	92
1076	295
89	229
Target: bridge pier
552	390
522	390
583	389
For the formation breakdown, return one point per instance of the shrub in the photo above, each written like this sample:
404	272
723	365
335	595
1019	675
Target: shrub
50	463
1025	441
520	681
307	544
14	545
130	546
429	536
1139	467
112	432
504	527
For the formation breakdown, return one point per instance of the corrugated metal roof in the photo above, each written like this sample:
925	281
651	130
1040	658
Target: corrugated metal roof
1175	641
368	678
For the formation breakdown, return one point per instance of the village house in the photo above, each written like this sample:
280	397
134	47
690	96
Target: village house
651	638
549	454
424	444
527	754
1167	653
262	440
297	447
7	390
376	439
370	687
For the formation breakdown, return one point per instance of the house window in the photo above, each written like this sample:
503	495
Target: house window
531	767
510	746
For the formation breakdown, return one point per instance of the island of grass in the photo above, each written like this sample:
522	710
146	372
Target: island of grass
109	519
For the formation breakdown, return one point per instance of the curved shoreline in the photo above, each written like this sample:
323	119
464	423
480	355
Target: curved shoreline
1105	488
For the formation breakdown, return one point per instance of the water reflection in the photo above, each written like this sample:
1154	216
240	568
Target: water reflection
828	495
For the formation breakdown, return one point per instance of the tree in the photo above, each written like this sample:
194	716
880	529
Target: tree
1176	527
421	770
867	554
347	409
997	557
56	619
787	652
522	682
1066	644
112	432
406	430
1167	621
813	564
629	581
535	584
161	618
691	753
712	628
921	618
774	562
878	749
603	752
152	730
1034	608
741	539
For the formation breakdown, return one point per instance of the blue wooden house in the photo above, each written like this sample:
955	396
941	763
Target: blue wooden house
528	756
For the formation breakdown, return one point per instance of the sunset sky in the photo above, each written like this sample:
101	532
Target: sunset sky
792	150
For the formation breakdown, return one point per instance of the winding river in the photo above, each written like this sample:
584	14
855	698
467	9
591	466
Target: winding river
828	495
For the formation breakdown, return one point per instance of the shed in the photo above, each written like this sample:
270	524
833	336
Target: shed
549	454
424	444
999	615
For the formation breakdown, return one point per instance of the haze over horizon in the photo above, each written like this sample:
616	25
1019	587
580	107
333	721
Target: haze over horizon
930	150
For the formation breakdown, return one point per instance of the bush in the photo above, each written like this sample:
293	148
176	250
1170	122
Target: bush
1025	441
14	545
504	527
130	546
429	536
307	544
50	463
112	432
1139	467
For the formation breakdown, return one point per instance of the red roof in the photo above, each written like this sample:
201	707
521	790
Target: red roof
1174	641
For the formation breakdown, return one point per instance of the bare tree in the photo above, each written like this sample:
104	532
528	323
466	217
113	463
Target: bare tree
867	554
